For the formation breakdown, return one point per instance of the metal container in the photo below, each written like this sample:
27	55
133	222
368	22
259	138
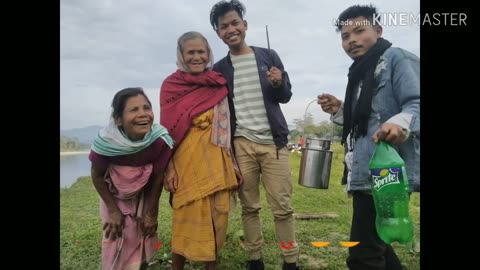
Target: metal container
315	164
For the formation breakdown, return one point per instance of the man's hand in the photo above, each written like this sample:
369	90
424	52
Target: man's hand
329	103
391	133
274	76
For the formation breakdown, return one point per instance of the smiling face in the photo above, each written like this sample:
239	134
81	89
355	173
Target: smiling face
358	36
232	30
137	118
195	55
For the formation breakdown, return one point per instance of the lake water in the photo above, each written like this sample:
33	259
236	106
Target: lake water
72	167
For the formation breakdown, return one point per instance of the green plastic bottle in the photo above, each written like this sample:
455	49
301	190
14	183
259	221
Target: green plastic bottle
390	195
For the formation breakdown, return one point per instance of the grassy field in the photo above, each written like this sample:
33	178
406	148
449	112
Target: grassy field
80	228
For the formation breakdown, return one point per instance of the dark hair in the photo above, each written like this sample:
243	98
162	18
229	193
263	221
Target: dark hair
355	11
222	7
120	100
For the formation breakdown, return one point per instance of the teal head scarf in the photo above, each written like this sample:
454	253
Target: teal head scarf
112	141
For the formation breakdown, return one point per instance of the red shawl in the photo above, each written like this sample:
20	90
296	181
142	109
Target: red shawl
184	96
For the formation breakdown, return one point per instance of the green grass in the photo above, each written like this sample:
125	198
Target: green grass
80	227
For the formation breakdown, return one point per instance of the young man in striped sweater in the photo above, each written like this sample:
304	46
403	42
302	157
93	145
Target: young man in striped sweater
257	84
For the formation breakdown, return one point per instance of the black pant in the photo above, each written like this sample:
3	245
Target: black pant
371	253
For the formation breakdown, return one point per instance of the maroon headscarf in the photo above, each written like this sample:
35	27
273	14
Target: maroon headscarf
184	96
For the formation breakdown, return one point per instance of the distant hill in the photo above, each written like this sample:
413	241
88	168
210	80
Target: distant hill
84	135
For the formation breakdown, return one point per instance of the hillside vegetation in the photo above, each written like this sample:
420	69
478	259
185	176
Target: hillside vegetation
72	144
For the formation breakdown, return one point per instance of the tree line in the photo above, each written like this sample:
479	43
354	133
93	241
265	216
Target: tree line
72	144
308	129
303	127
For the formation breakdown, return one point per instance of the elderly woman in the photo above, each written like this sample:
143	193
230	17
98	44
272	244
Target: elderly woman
201	174
128	160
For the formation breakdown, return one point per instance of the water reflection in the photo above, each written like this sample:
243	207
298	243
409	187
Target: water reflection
72	167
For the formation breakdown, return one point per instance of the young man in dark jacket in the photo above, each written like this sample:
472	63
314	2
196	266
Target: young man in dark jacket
382	102
257	84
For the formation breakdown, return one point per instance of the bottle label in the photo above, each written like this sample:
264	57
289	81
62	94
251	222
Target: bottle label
385	177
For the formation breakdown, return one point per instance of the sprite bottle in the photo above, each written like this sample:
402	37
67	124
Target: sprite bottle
390	195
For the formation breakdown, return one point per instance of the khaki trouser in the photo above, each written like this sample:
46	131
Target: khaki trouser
257	160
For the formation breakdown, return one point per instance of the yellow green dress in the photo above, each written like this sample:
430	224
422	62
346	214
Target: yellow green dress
201	203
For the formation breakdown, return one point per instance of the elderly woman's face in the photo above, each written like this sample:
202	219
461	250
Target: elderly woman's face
195	55
137	118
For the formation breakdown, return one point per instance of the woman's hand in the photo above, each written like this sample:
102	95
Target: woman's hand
114	225
149	224
170	182
115	222
239	176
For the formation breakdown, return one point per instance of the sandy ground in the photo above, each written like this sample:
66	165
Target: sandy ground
74	153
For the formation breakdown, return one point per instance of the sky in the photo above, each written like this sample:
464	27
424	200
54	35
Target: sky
108	45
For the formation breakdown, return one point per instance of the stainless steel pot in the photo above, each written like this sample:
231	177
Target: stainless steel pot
315	164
